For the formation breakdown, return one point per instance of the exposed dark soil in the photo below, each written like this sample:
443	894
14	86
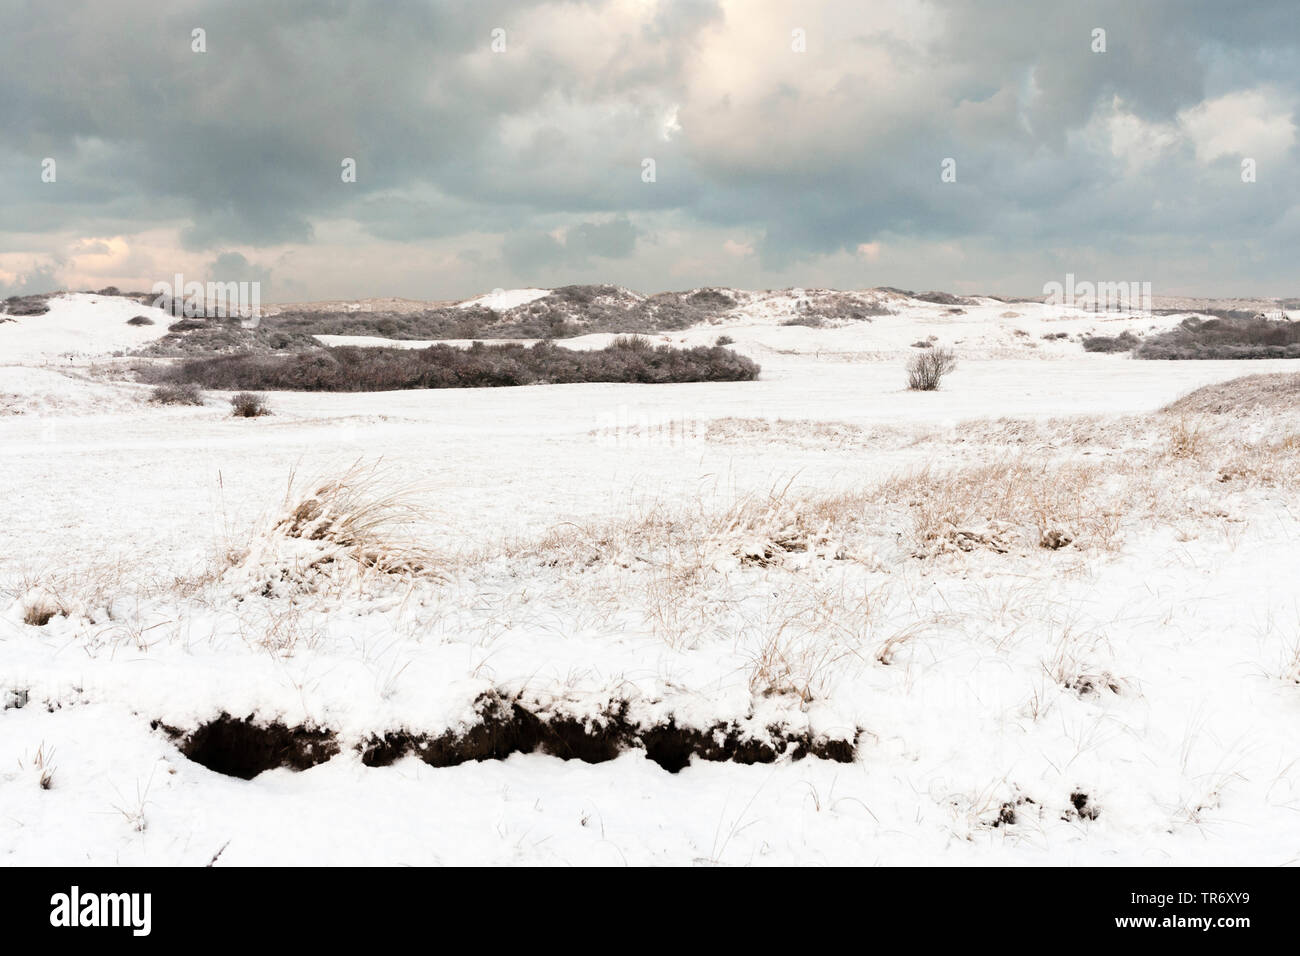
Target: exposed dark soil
244	747
1082	808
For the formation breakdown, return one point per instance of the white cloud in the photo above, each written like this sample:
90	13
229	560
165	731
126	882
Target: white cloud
1256	123
1134	141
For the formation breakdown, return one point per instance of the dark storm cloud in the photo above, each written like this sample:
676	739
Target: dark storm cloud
811	153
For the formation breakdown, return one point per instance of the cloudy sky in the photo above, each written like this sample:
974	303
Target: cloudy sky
793	144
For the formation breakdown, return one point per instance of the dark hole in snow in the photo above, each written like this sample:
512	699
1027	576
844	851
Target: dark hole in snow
244	748
1082	808
38	615
1008	812
14	699
505	728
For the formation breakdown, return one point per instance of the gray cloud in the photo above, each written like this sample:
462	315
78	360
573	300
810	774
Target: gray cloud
233	267
531	253
40	279
806	156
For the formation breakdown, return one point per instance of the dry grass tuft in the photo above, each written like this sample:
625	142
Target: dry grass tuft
1187	440
363	513
346	535
805	636
998	506
39	611
44	770
1270	463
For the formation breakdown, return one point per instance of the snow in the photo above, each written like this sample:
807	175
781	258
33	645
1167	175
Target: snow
989	329
79	325
152	525
500	300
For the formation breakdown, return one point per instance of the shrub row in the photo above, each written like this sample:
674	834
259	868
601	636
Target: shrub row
355	369
1228	337
561	313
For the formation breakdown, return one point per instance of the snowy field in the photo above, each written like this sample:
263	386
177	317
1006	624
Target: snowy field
1050	622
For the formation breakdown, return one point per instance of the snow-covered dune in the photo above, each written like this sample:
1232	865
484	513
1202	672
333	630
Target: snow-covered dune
79	325
501	300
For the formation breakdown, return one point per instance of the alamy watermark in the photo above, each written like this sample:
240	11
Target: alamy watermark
75	908
1099	296
626	427
212	300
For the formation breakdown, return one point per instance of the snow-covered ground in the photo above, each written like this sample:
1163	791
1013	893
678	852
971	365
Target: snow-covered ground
502	299
818	552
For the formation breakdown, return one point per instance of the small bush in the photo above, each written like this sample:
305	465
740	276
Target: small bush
27	304
249	405
140	320
922	344
169	393
633	343
189	325
724	340
926	369
1124	342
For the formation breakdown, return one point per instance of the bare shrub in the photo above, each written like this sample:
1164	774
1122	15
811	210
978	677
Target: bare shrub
633	343
724	340
140	320
171	394
249	405
926	369
1126	341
